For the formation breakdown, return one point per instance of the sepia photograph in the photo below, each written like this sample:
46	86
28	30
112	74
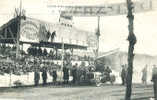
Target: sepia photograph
78	50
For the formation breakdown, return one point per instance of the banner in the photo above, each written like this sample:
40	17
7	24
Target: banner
29	30
104	10
33	30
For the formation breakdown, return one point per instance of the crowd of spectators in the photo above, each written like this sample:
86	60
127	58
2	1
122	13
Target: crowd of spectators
10	51
38	60
19	68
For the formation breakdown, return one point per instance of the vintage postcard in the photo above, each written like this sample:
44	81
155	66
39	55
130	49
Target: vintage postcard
78	50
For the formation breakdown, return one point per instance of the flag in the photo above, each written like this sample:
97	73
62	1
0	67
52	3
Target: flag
98	29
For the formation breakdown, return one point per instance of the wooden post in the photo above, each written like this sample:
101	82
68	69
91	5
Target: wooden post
71	50
27	65
98	35
17	39
62	59
22	51
10	76
132	42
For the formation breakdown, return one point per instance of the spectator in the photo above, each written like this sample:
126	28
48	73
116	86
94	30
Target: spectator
123	75
44	76
144	75
154	80
54	74
107	72
74	71
65	74
36	77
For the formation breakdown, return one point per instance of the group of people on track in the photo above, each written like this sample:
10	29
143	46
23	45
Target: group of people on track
78	73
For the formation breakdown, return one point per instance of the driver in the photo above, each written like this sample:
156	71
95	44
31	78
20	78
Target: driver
108	71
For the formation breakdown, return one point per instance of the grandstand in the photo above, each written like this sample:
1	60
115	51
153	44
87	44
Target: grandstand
37	32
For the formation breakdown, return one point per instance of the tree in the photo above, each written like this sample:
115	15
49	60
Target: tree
132	42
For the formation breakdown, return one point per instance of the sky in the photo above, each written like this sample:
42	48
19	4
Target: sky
113	29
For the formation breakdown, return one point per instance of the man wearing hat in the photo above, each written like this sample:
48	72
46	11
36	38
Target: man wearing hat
123	75
154	79
36	76
44	75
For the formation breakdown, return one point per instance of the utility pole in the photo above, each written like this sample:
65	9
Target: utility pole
18	31
132	42
97	37
62	59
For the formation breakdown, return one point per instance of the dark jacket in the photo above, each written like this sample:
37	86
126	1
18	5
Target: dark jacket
123	73
36	76
44	74
65	73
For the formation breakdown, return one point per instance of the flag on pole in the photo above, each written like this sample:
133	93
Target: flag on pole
98	29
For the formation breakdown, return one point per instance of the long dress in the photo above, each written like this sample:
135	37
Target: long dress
144	75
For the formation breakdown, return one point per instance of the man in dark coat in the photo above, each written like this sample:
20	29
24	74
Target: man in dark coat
123	75
44	76
36	77
74	71
54	74
65	74
154	80
107	72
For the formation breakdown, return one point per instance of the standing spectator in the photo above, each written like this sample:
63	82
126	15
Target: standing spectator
123	75
36	77
65	74
44	76
83	71
51	73
78	74
54	74
154	79
74	70
144	75
108	71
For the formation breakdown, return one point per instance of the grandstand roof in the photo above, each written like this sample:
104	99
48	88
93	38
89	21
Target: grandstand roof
64	33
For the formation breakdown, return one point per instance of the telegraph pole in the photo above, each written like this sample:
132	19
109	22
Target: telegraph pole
132	41
62	59
97	37
18	31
